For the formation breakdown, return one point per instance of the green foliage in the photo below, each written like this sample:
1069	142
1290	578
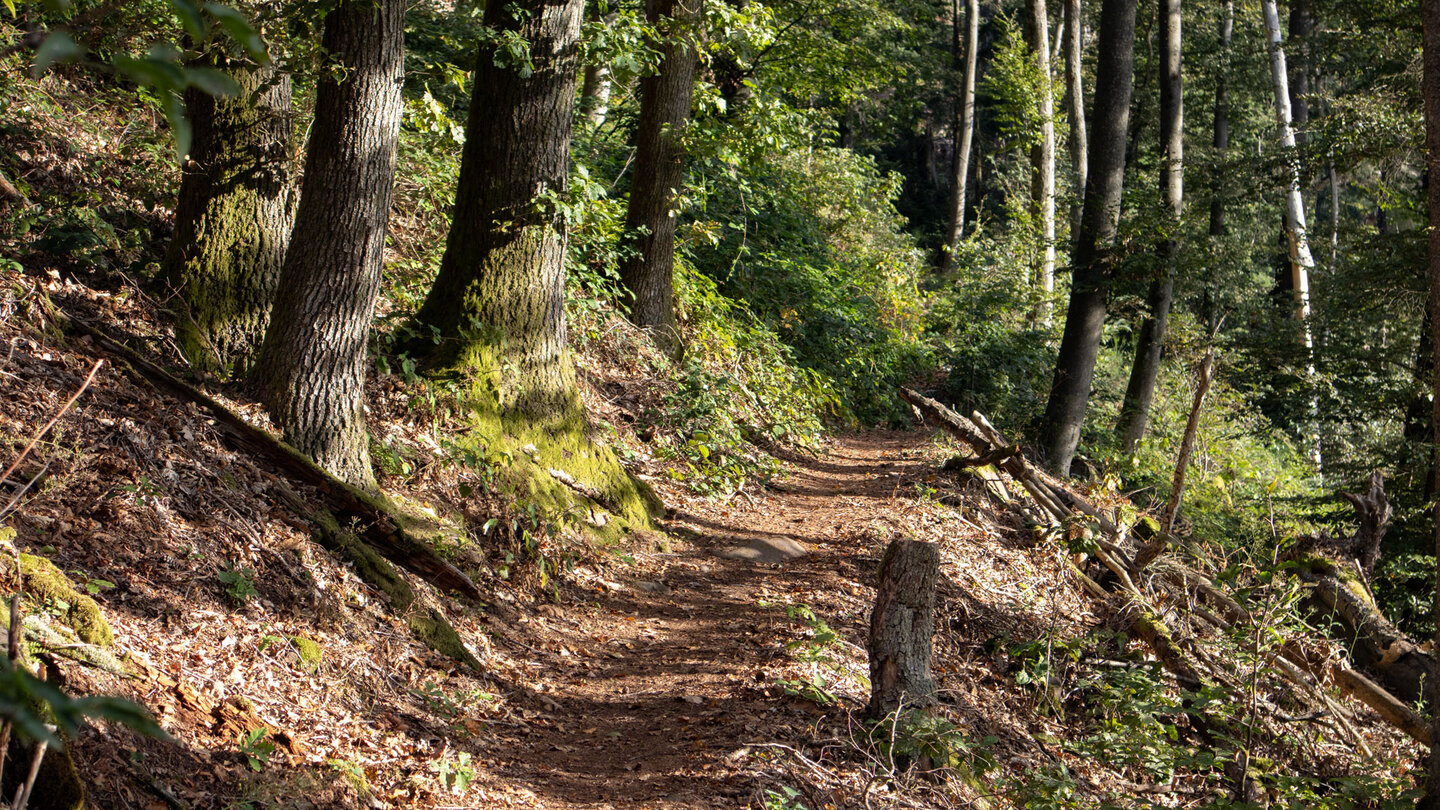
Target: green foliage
33	704
255	748
915	736
786	798
457	774
239	583
812	244
1403	586
164	70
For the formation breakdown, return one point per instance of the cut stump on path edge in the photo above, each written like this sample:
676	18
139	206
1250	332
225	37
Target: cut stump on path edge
901	627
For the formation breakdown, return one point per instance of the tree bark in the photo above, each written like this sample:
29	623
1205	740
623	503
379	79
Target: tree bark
311	368
498	304
1300	27
1075	106
901	626
232	221
595	88
648	274
1090	285
1042	155
964	127
1430	19
1221	138
1140	392
1301	261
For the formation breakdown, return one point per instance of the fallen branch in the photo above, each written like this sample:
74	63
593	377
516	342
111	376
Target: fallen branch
5	476
381	524
1377	643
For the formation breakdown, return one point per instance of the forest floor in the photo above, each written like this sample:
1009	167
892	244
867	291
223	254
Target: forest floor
694	671
719	665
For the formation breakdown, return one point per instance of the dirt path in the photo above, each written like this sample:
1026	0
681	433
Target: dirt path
649	695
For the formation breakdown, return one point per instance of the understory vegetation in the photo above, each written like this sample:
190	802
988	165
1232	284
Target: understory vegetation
809	229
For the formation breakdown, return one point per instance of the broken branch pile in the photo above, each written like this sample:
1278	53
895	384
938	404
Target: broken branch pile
1152	589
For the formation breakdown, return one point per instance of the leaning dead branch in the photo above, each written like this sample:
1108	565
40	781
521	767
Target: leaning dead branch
1378	645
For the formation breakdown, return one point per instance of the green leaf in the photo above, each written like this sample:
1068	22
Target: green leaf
10	4
190	17
214	82
57	47
238	26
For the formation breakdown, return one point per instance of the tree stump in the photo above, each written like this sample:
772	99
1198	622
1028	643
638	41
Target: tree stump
901	626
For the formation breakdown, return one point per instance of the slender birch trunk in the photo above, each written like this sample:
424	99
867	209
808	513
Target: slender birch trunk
1301	261
1042	158
1075	106
964	128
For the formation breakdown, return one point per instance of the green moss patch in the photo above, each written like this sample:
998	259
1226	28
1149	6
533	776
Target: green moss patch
432	628
312	655
45	582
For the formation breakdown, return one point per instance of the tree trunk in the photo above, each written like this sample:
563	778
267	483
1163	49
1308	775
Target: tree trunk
901	626
1042	155
1075	106
648	273
311	368
1301	261
1430	18
1090	286
595	89
232	221
498	303
1221	139
964	127
1135	411
1300	26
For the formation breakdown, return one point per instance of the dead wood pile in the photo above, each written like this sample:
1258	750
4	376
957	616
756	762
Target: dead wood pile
1172	602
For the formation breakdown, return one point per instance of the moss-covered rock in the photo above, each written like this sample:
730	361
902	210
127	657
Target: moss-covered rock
590	483
312	655
45	582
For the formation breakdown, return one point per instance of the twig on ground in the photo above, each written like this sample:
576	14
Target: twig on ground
56	418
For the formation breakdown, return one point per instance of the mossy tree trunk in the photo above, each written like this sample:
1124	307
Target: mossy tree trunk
498	302
232	221
665	100
311	368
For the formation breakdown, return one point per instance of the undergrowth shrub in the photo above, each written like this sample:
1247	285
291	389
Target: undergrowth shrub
809	239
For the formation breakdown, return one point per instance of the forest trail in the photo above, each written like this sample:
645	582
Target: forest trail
656	689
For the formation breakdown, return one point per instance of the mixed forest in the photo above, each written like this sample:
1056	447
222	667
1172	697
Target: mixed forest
719	403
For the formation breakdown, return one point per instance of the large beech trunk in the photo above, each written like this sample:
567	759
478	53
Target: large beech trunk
649	272
232	221
1140	392
901	626
1090	285
965	62
498	303
311	369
